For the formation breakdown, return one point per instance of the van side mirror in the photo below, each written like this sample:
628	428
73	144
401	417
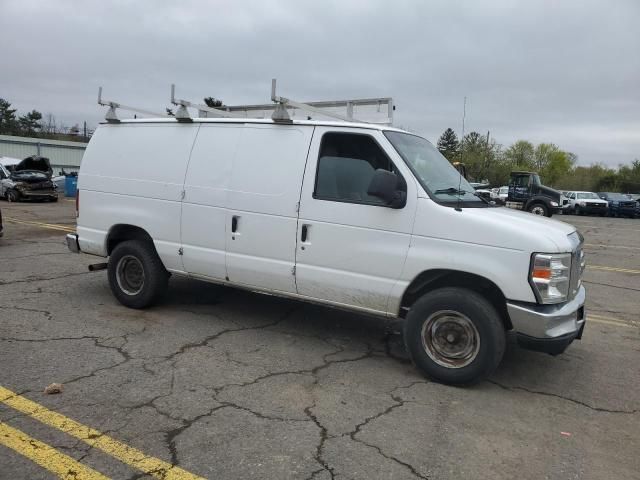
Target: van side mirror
384	185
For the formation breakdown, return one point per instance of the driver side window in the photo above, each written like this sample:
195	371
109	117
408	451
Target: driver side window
346	165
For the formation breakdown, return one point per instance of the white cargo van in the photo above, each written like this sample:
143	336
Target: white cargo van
357	216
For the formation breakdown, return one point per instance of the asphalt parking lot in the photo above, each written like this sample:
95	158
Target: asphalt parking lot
223	383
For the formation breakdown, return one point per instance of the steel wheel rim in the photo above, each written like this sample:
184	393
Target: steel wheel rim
537	210
130	275
450	339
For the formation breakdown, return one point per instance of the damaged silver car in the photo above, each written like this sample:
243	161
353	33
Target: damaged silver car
28	179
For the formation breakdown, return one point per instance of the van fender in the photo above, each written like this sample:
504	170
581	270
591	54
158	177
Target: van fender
445	260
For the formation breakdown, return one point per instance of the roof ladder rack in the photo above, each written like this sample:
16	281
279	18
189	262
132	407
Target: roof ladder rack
182	114
280	111
112	116
316	107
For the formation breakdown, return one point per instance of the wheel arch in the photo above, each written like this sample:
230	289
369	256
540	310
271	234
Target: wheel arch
538	199
430	280
122	232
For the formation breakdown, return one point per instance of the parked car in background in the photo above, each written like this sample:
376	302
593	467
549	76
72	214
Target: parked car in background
635	197
28	179
484	193
619	204
500	195
566	205
587	203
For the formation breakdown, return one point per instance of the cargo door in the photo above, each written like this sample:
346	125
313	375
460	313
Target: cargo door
263	200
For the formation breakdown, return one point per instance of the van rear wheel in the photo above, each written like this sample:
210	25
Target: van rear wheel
454	336
137	276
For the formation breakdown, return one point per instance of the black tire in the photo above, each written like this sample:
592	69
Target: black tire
129	261
539	207
487	352
54	199
13	196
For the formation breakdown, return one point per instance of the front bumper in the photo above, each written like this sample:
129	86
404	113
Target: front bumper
548	328
38	193
631	211
72	242
590	209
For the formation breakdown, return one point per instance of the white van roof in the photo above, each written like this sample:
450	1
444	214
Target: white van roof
329	123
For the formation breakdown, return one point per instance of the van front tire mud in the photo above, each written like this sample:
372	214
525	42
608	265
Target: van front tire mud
137	276
454	336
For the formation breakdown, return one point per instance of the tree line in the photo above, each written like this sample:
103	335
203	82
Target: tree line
487	160
484	158
34	124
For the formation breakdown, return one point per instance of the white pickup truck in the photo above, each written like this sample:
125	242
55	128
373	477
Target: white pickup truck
586	203
357	216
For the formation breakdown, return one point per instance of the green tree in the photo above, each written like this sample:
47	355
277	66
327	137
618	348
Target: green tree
213	102
8	122
473	152
448	144
520	155
30	123
629	177
542	155
557	164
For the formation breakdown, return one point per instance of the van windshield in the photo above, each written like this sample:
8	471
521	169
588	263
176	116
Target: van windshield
439	178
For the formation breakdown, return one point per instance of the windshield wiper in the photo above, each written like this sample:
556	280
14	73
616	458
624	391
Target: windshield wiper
458	191
451	191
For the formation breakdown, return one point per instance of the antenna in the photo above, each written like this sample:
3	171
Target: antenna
464	115
112	116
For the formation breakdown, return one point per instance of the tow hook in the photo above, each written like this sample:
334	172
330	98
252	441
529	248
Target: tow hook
94	267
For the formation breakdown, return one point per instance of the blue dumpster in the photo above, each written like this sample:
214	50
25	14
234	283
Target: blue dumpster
70	185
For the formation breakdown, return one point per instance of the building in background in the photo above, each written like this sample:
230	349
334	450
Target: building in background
62	154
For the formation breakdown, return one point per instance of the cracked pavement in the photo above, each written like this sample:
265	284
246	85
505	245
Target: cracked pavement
231	384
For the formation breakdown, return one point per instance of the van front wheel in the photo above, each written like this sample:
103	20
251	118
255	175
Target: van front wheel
454	336
136	275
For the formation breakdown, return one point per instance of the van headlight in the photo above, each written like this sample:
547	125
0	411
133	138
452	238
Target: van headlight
549	276
554	204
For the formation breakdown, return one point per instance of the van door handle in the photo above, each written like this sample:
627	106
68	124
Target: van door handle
234	224
305	231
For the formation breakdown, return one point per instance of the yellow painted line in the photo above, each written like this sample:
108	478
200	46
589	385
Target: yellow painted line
51	226
612	269
611	321
610	246
131	456
46	456
606	322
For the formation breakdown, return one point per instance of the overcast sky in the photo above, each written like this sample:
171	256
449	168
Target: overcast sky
566	72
